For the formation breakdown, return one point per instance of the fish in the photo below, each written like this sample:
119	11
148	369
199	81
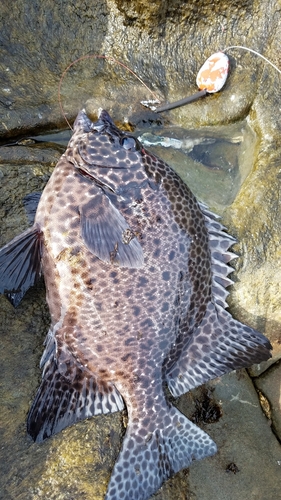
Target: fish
136	274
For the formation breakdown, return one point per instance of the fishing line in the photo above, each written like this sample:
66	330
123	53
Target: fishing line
98	56
204	90
254	52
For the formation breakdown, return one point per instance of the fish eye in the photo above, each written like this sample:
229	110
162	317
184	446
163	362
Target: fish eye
129	143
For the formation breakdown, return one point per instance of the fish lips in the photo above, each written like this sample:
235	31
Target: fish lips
103	118
83	122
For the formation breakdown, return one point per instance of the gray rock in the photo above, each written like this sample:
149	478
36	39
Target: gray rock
165	43
269	383
244	440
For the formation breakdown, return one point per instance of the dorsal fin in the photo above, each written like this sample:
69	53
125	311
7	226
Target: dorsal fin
219	242
220	343
20	264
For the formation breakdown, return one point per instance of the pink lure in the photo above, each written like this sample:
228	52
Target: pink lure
213	74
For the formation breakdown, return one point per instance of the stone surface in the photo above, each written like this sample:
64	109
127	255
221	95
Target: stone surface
165	43
213	161
244	438
269	383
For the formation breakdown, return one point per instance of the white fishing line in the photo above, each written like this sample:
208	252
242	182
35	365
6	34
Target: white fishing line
254	52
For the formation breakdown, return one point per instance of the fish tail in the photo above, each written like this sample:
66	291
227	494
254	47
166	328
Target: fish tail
147	459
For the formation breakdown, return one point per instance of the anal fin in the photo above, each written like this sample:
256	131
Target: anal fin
219	345
61	402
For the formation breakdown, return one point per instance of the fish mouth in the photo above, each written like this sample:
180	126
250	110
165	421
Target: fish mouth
104	120
83	121
104	116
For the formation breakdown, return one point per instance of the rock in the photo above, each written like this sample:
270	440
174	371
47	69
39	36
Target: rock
165	43
269	383
255	219
213	161
248	461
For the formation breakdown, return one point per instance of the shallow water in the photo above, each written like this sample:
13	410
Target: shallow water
213	161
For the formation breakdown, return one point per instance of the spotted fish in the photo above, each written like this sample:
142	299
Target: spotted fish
135	271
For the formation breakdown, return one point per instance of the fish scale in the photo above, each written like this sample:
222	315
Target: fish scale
136	272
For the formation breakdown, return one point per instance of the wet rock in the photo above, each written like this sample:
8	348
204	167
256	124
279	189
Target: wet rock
255	219
269	383
248	461
165	43
213	161
38	41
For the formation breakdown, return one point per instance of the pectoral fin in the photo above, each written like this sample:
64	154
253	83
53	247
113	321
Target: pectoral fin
107	234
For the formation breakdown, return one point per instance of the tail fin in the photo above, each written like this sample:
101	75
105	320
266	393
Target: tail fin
147	459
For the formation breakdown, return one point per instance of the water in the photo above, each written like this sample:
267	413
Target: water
213	161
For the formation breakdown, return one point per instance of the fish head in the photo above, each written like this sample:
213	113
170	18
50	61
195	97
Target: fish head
113	182
105	153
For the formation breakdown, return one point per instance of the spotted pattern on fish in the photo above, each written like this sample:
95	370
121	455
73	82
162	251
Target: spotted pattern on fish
135	271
